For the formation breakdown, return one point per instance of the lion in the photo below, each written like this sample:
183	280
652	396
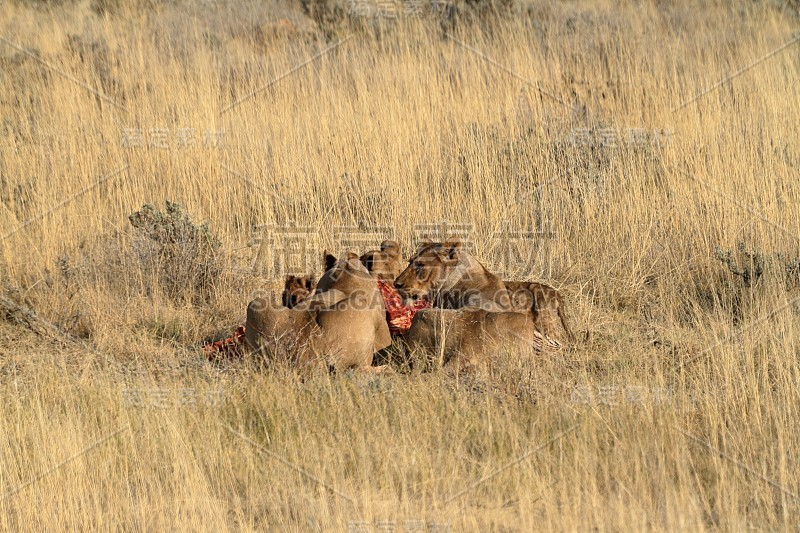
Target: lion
473	310
385	263
297	289
545	302
463	338
340	327
451	278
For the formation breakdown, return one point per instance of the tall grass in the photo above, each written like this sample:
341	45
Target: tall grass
565	120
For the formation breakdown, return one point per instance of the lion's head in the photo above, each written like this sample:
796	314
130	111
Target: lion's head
297	289
345	275
428	269
386	263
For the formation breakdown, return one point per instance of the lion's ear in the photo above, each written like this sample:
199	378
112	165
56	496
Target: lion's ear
422	243
391	246
367	260
452	248
330	260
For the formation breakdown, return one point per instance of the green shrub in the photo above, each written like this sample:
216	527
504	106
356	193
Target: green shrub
184	254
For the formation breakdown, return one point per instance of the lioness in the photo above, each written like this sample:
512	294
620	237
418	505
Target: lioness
297	289
341	326
386	263
462	338
451	278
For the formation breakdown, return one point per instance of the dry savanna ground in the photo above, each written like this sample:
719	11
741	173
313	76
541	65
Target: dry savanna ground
641	156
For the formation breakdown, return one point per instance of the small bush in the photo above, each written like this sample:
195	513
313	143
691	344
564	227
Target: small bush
184	253
753	264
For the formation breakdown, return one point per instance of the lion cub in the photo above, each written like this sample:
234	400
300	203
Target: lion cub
296	289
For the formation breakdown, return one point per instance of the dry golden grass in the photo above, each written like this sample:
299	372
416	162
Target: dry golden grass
681	414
